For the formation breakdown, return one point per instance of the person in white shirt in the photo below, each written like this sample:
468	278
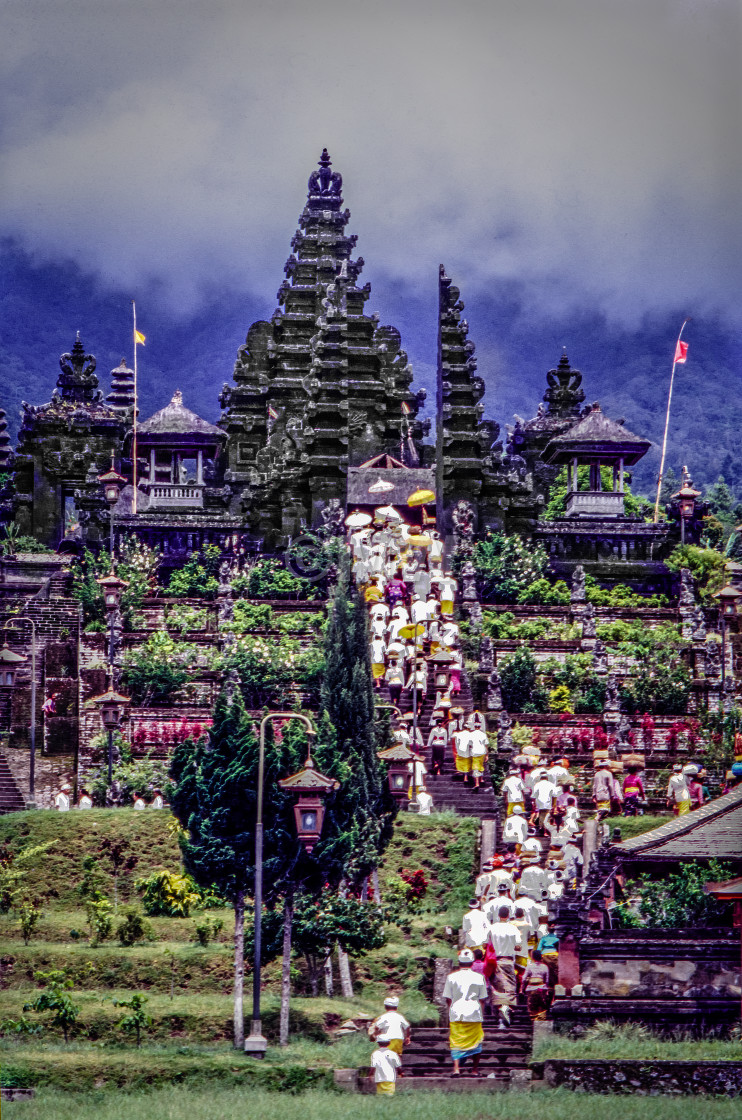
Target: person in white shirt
544	793
678	794
417	771
485	887
378	662
447	589
450	636
573	861
424	803
494	905
516	828
420	611
533	881
531	910
421	583
391	1025
558	772
475	925
505	938
465	992
513	790
478	748
384	1064
462	746
62	800
435	551
475	721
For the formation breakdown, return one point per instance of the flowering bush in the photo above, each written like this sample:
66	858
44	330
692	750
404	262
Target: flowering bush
417	884
269	668
154	670
137	564
507	565
197	577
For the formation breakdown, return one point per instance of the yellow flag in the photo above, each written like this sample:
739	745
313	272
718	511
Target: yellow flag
139	337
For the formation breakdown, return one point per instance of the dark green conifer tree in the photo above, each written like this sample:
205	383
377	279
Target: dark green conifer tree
215	800
359	820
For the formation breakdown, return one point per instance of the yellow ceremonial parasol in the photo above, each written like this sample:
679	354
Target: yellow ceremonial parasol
421	498
411	630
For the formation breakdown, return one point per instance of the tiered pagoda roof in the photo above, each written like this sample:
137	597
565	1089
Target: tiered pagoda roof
321	386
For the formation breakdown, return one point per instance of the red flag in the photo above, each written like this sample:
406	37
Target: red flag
681	353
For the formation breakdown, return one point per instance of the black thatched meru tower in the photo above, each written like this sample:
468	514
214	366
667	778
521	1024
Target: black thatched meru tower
320	386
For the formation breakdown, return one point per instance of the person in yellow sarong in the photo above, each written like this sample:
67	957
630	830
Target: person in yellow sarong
391	1025
384	1065
465	992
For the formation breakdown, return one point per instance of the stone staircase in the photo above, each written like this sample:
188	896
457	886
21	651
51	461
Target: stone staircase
11	798
448	790
427	1060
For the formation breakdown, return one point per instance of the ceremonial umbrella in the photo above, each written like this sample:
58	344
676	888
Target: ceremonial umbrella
421	498
411	630
358	520
389	512
381	486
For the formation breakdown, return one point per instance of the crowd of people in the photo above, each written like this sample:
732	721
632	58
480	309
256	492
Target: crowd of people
399	569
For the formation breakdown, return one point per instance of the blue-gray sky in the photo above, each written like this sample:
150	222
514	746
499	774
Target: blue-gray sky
586	151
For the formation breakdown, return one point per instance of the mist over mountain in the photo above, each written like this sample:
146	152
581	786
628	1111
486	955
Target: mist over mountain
626	368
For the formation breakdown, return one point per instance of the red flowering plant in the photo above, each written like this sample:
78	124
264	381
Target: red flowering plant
417	884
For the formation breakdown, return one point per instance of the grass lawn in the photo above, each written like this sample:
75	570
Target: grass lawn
635	826
638	1046
241	1103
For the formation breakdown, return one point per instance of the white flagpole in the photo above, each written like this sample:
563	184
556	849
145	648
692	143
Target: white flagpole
667	424
134	442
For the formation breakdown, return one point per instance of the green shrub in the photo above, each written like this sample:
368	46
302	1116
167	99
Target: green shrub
157	668
507	565
137	1020
197	579
99	913
28	917
55	999
207	930
268	579
133	928
520	692
166	894
679	900
620	595
549	594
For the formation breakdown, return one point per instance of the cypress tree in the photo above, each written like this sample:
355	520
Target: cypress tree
215	800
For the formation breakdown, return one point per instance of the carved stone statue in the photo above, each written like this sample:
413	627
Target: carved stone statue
333	518
699	625
468	582
504	732
577	594
588	622
600	657
486	655
462	518
622	733
687	593
611	693
494	692
713	658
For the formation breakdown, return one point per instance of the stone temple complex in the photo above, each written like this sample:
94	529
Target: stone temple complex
317	392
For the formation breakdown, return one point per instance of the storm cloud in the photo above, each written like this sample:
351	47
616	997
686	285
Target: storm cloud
588	150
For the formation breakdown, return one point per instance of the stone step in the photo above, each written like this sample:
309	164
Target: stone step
11	798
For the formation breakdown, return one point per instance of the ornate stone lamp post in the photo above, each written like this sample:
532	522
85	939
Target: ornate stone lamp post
113	587
10	624
728	597
686	499
397	758
9	663
111	705
111	482
311	788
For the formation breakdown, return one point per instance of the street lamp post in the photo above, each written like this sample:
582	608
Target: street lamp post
111	705
686	499
32	766
112	589
727	597
256	1043
112	482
